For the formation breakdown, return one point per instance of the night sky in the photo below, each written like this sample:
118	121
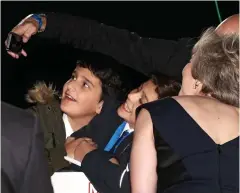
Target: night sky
52	62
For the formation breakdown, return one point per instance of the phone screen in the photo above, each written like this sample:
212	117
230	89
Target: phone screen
14	43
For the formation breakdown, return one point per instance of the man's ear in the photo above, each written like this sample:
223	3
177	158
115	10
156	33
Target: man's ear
99	107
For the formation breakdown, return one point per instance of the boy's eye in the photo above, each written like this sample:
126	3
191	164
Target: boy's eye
85	85
73	77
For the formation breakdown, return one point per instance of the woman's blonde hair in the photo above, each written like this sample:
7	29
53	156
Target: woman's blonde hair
216	65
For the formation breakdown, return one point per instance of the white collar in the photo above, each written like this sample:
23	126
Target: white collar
68	128
127	128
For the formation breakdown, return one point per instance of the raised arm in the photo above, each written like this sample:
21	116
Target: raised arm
142	54
145	55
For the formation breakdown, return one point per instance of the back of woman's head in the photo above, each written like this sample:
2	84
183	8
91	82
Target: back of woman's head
216	65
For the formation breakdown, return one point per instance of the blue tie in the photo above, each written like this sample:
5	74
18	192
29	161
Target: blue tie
120	139
115	137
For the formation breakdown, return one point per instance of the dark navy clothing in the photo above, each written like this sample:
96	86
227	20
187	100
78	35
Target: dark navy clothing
189	161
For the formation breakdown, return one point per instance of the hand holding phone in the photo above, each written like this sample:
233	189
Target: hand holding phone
14	43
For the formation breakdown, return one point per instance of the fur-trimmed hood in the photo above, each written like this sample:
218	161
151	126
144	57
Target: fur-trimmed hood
41	93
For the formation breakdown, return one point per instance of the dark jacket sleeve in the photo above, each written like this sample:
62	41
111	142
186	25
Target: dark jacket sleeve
145	55
36	176
103	174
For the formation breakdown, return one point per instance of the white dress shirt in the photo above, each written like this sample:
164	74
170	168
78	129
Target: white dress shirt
127	128
68	128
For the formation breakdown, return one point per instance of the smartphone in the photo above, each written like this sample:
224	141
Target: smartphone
14	43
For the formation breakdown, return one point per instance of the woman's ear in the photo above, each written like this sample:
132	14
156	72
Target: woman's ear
99	107
198	87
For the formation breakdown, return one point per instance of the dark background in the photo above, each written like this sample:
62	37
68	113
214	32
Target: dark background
52	62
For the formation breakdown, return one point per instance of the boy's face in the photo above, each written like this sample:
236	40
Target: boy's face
81	94
143	94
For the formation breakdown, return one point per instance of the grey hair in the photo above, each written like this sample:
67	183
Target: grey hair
216	65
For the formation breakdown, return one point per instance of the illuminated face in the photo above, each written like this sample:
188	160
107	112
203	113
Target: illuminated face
141	95
81	94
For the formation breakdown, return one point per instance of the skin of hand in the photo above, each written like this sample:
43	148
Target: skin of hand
114	161
83	148
78	148
72	143
26	28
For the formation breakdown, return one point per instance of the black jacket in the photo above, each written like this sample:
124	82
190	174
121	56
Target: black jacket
145	55
103	174
23	165
106	176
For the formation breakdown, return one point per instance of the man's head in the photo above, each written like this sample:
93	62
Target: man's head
83	94
155	88
229	25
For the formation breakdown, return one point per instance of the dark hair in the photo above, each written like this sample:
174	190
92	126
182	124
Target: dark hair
102	67
166	86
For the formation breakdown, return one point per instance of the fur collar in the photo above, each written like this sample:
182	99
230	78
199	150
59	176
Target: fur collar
41	93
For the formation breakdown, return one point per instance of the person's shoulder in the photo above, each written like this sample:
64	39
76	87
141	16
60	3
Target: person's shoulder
204	105
196	101
192	102
44	99
15	120
13	112
41	93
162	103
